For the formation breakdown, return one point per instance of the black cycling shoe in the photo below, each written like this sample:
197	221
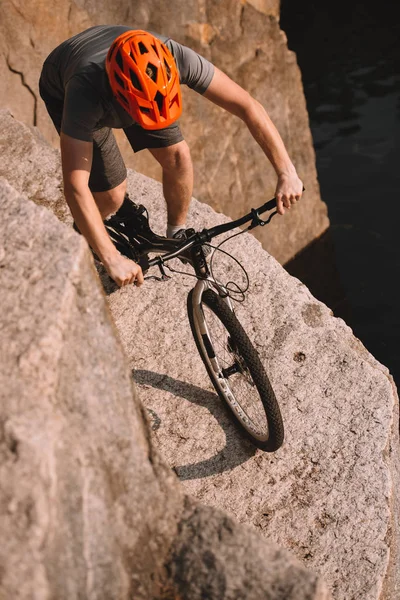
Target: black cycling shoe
130	219
186	258
123	227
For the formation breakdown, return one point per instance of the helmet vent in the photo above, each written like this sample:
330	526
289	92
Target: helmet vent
175	100
122	97
159	98
118	58
119	80
135	80
111	50
168	70
142	48
151	71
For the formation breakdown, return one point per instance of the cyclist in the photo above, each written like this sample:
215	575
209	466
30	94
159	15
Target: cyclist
114	77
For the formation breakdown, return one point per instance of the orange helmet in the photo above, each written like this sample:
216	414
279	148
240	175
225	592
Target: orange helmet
144	79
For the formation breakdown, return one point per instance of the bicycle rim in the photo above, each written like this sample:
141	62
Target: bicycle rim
235	370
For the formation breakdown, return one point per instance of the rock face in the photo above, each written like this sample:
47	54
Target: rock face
229	563
33	167
87	507
83	497
243	39
330	494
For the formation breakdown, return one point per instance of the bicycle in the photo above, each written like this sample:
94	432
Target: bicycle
231	361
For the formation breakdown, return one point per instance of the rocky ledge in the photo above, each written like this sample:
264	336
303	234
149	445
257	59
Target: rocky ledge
329	495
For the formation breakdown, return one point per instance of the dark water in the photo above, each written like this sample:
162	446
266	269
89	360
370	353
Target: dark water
349	56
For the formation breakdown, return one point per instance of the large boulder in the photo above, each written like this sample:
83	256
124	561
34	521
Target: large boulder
86	506
243	38
88	509
330	494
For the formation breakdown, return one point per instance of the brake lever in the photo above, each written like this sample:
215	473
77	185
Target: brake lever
267	206
257	219
164	276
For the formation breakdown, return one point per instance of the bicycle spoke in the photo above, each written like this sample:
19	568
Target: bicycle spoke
235	370
239	382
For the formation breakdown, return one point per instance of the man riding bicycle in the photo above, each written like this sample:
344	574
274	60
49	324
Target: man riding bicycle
114	77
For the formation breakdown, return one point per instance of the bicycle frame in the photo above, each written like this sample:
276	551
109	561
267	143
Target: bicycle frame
231	361
175	248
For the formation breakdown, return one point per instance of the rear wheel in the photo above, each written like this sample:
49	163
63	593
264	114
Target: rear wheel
235	370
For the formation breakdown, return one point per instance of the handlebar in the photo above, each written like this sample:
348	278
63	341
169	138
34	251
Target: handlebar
253	216
206	235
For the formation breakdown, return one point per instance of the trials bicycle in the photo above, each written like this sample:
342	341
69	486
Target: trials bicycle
232	362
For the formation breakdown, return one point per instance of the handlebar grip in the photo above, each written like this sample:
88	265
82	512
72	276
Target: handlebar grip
271	204
268	206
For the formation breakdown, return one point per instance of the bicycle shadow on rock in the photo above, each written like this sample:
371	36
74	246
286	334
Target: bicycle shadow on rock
237	449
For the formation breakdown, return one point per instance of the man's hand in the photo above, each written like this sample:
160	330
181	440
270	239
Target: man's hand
124	271
288	191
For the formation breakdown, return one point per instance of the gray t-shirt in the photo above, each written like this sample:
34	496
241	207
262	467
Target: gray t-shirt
74	74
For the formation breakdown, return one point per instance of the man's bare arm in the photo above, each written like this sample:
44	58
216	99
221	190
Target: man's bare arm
224	92
76	156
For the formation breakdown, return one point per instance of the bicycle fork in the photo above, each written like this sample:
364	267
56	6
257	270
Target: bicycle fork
201	324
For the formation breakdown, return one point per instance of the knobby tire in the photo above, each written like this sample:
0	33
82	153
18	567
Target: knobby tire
253	372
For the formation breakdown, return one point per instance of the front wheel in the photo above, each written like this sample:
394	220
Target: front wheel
235	369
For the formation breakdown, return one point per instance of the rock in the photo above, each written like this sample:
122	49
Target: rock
33	166
241	38
28	33
330	494
88	509
229	562
85	504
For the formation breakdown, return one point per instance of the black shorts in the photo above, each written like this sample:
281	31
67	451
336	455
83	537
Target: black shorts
108	168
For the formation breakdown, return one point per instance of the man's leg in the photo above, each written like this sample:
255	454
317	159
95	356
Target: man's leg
110	201
107	180
177	178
